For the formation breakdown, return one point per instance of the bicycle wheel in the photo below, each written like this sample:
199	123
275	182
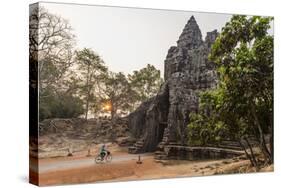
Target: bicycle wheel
98	159
109	158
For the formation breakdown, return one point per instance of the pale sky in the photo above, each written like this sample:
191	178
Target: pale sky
128	39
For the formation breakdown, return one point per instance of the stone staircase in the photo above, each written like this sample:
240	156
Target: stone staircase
165	136
137	147
160	154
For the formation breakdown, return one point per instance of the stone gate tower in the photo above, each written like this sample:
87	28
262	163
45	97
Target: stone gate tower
162	120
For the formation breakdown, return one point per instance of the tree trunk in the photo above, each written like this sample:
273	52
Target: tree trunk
247	154
271	138
263	146
87	108
252	154
112	111
88	92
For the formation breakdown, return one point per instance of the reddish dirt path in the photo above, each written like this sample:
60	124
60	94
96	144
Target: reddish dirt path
80	169
72	163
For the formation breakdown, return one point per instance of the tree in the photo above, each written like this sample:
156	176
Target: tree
91	71
60	105
51	43
117	94
243	100
145	82
51	46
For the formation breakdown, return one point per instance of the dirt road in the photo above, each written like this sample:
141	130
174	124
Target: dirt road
81	169
83	162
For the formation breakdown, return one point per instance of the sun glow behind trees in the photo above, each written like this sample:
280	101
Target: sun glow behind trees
77	82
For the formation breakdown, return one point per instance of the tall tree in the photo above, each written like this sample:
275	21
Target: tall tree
51	44
145	82
243	101
117	94
91	71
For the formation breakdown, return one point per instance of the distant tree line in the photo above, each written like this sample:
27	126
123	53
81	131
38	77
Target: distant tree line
241	107
75	83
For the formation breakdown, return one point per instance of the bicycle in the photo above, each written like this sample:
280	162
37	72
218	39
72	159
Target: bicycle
107	158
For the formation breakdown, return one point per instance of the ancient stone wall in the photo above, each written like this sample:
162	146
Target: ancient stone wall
196	153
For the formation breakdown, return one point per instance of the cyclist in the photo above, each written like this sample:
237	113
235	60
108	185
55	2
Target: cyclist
103	151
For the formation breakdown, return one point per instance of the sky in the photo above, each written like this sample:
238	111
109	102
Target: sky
128	39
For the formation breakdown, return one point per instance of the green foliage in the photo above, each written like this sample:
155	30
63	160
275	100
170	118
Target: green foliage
60	106
75	82
145	82
242	104
117	91
92	71
51	44
125	93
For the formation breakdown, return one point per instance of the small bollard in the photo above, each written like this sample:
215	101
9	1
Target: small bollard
89	153
139	160
69	152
